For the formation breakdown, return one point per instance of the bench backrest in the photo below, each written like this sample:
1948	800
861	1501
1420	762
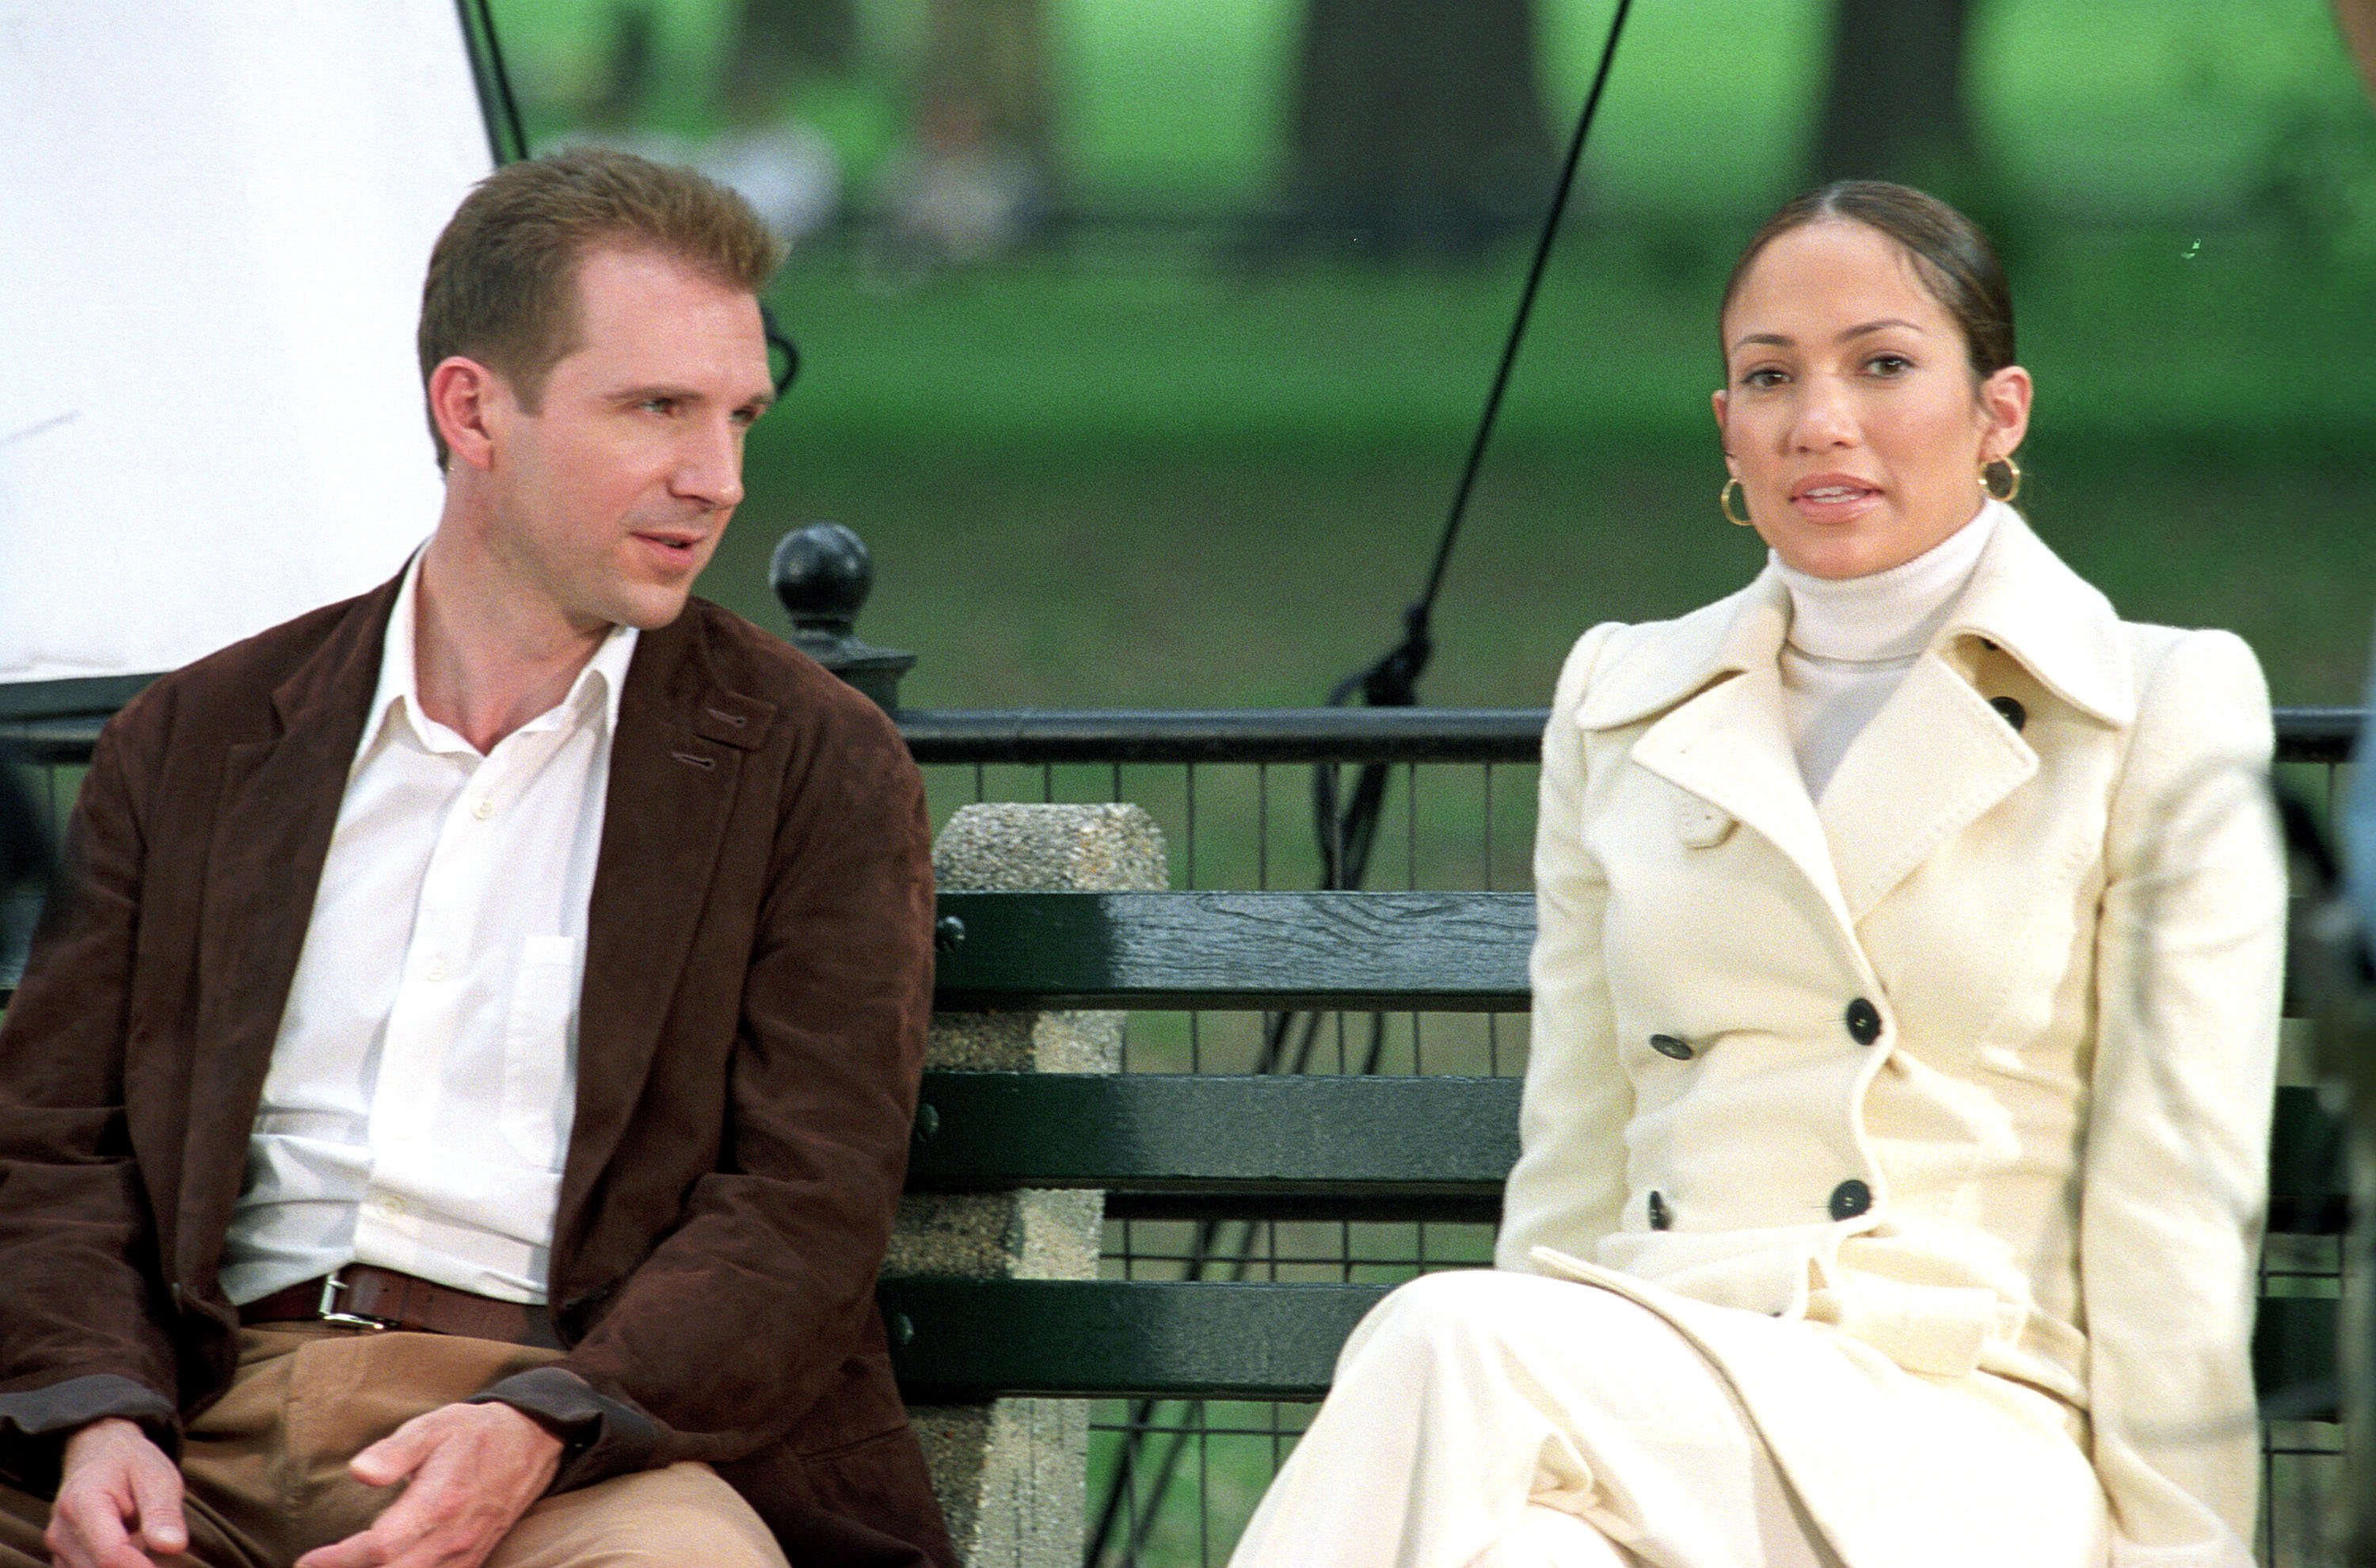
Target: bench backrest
1173	1145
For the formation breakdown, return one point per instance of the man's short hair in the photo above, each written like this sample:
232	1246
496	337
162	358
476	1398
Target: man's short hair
502	286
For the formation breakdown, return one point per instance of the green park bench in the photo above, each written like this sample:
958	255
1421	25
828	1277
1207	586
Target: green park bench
1399	1148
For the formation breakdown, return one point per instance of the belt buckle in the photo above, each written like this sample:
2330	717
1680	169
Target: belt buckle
327	1309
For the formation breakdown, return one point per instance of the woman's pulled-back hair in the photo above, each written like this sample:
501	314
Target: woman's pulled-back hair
1951	255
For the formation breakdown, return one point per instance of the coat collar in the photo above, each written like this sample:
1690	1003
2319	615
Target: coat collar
1935	758
2058	625
2021	596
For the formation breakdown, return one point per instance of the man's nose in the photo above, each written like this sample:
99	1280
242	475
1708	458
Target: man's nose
709	466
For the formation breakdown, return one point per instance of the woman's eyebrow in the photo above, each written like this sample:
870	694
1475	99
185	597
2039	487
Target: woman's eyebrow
1783	340
1875	326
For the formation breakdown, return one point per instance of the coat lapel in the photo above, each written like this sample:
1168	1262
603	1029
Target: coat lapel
675	764
1931	763
1935	760
1937	757
1728	746
1716	675
275	813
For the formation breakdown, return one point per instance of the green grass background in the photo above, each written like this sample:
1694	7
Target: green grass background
1137	467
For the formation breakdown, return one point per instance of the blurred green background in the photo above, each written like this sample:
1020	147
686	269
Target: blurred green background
1164	418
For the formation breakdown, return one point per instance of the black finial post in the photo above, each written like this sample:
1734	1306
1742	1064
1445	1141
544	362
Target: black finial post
822	574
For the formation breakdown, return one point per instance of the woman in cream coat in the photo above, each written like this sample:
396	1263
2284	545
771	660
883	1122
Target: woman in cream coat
1904	1027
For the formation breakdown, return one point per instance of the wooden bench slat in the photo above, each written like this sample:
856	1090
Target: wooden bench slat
1349	1137
957	1340
2308	1184
2294	1356
1282	951
1214	1145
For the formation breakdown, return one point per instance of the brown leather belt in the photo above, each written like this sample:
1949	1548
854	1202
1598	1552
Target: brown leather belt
360	1296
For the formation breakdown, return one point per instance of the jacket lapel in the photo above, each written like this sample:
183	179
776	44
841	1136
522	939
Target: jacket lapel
275	813
1937	757
1931	762
675	764
1716	674
1729	747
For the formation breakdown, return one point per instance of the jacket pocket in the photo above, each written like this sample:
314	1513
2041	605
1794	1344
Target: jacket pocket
535	1112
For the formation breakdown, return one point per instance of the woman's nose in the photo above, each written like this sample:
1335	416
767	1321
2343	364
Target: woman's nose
1825	419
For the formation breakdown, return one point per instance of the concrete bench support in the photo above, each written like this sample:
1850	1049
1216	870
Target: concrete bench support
1012	1473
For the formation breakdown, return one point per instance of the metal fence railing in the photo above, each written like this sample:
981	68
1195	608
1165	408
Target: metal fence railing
1233	791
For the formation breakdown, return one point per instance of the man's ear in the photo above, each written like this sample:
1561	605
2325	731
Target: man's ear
463	393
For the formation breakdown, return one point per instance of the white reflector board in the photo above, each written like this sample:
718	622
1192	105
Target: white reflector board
214	219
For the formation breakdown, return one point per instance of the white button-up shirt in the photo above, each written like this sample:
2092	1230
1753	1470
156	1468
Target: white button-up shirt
418	1103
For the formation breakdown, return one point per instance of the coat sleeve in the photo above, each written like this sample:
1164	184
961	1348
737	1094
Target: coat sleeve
2190	955
81	1309
1568	1189
766	1282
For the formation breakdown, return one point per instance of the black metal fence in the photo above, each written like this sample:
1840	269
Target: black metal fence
1233	791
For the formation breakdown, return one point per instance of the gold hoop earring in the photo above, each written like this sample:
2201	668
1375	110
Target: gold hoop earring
1724	503
2011	480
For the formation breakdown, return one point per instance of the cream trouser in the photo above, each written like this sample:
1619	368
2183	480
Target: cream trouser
1490	1419
265	1466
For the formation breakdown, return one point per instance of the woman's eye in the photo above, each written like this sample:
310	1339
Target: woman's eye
1761	377
1889	364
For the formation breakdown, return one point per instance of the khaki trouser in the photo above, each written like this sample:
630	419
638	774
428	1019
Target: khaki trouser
266	1464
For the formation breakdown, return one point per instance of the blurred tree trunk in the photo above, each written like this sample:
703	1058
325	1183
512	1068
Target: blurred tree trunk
1420	119
1894	107
986	76
775	43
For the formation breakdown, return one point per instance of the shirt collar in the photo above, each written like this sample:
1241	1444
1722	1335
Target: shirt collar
396	699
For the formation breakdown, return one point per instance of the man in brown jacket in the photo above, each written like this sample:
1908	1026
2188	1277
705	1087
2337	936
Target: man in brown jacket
456	1105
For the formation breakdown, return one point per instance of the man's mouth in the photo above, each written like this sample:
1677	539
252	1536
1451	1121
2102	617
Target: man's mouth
673	554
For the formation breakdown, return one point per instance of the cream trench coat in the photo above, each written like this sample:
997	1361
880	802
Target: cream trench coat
1972	1061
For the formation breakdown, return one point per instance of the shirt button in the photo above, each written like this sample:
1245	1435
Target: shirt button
435	970
1659	1217
486	809
1863	1021
1851	1198
1669	1045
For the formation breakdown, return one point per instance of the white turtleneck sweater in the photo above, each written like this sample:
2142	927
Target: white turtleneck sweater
1852	640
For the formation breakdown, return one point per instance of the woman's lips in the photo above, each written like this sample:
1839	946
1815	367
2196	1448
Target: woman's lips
1833	497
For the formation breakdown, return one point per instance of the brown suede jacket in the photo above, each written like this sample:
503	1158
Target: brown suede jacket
759	980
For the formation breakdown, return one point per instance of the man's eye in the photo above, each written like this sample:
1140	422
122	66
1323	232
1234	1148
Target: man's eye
657	405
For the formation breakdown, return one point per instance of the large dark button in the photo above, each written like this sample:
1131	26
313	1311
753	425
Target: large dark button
1851	1198
1864	1022
1669	1045
1659	1218
2015	714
